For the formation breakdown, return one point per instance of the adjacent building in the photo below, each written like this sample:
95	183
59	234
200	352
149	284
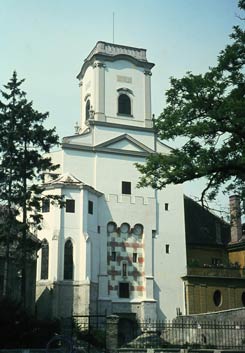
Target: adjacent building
215	277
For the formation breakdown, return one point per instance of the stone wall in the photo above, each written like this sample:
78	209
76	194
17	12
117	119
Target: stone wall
232	315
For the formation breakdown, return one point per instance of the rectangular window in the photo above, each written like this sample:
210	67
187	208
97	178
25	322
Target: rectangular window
113	256
124	269
167	248
70	206
166	207
90	207
98	229
135	257
45	205
123	290
126	187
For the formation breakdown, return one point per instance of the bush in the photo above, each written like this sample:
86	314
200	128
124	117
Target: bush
20	330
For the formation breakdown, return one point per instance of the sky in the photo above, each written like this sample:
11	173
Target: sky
46	42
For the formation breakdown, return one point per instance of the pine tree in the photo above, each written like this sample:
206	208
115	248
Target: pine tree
23	142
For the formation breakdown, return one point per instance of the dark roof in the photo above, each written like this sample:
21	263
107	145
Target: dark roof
202	227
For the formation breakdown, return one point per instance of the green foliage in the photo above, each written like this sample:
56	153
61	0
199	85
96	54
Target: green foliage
89	334
19	330
193	263
208	112
23	142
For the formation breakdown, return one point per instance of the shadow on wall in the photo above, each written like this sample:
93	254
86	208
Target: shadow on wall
160	313
44	304
127	330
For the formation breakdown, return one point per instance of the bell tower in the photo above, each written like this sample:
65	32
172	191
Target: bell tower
115	84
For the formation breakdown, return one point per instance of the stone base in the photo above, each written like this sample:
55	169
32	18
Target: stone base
66	298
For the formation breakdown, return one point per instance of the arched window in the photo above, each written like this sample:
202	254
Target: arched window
87	109
44	259
124	104
68	260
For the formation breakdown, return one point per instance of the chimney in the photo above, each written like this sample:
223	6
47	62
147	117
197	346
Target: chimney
236	224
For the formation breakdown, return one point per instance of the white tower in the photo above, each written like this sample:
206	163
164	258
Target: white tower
115	248
115	80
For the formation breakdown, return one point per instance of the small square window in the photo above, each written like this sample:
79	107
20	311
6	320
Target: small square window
90	207
135	257
124	290
45	205
70	206
126	187
113	256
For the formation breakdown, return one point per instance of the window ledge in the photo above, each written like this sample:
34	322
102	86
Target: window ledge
125	115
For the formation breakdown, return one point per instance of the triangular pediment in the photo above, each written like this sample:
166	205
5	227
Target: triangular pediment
125	142
66	178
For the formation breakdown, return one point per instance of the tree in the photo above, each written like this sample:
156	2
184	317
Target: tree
23	142
208	111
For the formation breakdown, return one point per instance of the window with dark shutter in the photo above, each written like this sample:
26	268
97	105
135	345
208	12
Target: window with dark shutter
45	205
68	260
113	256
90	207
44	260
126	187
124	290
70	206
87	109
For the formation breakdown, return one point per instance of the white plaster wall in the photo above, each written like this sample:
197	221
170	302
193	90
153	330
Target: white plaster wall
104	133
105	172
80	164
94	237
50	231
58	226
168	268
88	87
57	158
112	169
124	68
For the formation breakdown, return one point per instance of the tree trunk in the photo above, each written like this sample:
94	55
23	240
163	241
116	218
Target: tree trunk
24	231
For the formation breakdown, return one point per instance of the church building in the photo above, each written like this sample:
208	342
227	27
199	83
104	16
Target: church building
114	248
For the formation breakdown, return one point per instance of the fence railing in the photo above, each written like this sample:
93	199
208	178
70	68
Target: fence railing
185	334
90	331
216	271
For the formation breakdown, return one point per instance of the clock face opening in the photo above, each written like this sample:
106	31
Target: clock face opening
138	229
111	227
124	228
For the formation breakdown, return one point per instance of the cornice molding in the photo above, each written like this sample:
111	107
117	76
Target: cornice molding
108	150
121	126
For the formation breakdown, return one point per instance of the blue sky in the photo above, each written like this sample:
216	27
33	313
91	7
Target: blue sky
46	42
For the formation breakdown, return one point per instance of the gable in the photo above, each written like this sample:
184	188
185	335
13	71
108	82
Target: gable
126	145
125	142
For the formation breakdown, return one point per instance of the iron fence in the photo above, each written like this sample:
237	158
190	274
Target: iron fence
89	332
187	334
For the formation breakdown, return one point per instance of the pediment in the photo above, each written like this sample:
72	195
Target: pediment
125	142
67	179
